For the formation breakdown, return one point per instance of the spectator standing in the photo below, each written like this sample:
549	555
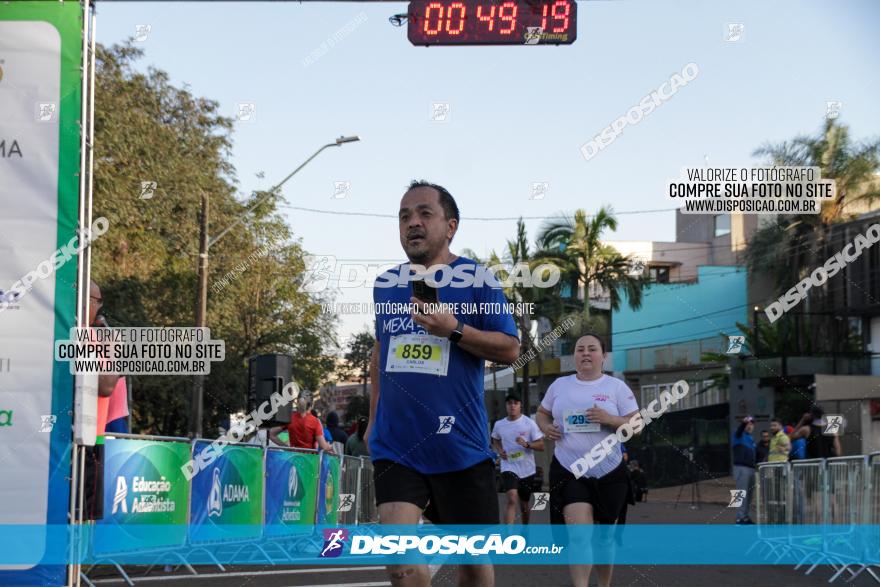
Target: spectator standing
93	482
744	460
798	445
117	409
355	445
762	449
304	430
639	481
780	445
811	428
336	431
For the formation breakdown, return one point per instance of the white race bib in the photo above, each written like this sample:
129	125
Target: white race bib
418	353
576	421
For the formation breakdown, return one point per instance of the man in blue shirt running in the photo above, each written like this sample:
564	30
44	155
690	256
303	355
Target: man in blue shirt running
428	430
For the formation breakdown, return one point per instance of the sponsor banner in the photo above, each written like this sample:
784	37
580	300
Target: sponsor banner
328	490
291	492
227	496
41	102
144	487
636	544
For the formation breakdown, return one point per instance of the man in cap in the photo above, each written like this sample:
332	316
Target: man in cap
515	438
744	468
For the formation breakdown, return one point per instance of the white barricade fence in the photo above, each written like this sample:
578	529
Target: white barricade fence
822	512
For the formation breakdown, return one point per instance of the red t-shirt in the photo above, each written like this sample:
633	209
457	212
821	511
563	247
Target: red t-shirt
304	431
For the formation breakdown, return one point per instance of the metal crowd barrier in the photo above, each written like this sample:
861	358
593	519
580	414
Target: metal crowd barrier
350	473
824	511
368	513
846	495
872	519
808	511
773	505
355	481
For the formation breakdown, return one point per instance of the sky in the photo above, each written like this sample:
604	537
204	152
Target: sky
517	115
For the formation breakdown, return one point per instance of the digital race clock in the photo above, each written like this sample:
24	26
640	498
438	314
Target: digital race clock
492	22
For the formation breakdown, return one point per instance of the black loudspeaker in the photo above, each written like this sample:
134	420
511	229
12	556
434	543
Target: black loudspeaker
268	374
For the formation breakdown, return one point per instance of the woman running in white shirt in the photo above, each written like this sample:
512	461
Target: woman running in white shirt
578	412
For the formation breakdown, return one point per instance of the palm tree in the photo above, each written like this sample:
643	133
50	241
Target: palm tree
518	252
792	244
575	246
490	262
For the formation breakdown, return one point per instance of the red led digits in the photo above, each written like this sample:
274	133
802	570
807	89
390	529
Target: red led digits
461	13
557	14
427	28
510	17
561	14
492	22
490	19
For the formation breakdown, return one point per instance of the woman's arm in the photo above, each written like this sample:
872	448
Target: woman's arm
545	423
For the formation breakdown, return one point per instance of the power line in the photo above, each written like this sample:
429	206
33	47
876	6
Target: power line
679	321
701	335
476	218
698	246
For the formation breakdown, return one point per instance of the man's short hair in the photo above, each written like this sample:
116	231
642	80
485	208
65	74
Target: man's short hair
450	208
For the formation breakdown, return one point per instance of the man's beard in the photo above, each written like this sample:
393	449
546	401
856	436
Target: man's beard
420	257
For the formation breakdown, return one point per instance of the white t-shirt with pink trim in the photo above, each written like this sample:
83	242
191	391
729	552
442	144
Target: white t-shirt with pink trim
569	397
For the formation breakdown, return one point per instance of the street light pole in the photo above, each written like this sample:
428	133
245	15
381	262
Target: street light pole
205	243
201	315
755	311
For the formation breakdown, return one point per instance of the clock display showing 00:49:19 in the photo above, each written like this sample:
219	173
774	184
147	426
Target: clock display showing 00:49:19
492	22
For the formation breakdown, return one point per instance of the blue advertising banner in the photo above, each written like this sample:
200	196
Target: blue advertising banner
637	544
291	492
328	491
145	488
227	494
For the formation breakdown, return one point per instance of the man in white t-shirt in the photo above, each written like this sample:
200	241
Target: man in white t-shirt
515	438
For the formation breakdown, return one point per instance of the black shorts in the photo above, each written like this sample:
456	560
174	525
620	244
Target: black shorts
608	495
458	497
523	485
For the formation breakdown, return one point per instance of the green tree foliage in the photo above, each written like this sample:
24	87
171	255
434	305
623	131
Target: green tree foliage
357	357
148	130
575	246
792	245
358	407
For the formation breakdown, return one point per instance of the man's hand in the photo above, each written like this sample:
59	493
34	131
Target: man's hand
522	442
439	323
503	454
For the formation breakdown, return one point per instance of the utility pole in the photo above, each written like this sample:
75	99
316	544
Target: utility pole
201	316
205	243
